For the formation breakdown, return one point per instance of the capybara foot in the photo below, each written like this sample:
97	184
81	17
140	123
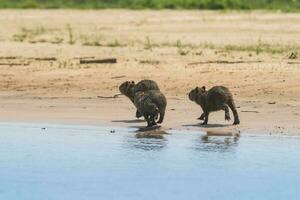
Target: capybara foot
149	125
204	123
201	117
138	114
236	122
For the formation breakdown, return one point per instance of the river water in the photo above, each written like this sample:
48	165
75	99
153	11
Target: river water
49	161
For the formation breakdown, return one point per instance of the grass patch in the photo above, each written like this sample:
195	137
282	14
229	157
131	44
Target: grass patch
116	43
28	33
180	49
149	45
91	40
261	47
285	5
71	36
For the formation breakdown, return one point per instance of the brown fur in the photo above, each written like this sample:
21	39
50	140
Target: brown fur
216	98
151	103
129	88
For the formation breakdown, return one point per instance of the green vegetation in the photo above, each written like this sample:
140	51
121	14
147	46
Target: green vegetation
72	39
28	34
148	45
262	47
285	5
180	49
69	35
91	40
116	43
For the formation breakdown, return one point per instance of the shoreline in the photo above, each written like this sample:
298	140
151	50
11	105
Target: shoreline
181	114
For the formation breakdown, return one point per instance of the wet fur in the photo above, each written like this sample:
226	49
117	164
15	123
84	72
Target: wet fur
129	88
216	98
150	104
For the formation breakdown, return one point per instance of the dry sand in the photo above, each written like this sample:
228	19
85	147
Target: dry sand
156	45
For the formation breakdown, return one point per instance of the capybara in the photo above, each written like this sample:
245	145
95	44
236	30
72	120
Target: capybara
150	104
129	88
216	98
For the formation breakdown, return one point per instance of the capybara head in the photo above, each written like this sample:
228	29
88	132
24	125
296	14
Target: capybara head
196	92
126	87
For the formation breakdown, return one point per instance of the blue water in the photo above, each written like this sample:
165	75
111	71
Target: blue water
77	162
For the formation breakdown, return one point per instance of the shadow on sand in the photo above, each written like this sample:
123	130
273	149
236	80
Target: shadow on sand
130	121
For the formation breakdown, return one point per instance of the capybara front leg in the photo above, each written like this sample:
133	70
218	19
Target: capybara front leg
138	114
205	118
202	116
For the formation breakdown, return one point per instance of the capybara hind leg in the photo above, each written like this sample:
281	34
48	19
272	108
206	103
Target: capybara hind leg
227	115
161	117
235	113
224	107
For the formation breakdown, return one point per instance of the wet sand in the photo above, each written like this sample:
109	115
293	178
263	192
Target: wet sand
256	117
159	45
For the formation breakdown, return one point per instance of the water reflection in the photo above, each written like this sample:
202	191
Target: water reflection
148	140
217	142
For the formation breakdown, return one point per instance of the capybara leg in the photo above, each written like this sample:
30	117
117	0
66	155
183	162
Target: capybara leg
149	122
138	114
224	107
153	120
156	117
148	119
234	111
202	116
205	119
161	116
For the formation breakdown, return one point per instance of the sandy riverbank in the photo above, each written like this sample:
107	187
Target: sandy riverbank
247	52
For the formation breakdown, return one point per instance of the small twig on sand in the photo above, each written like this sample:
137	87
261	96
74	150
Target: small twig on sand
89	61
15	64
46	59
86	57
151	62
116	77
293	63
223	62
252	111
8	57
110	97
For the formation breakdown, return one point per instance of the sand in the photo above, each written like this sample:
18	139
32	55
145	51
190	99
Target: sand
158	45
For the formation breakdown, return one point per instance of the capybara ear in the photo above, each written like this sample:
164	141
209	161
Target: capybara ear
197	89
203	88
